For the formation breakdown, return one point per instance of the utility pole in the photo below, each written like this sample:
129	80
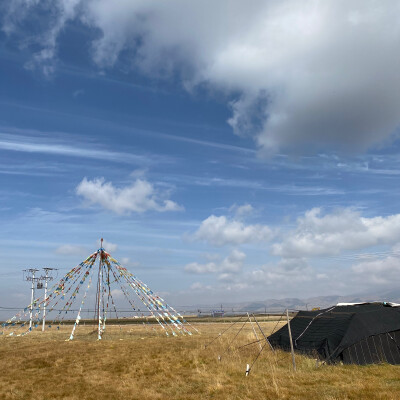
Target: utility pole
46	279
30	276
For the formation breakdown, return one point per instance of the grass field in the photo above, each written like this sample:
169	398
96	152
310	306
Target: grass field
137	362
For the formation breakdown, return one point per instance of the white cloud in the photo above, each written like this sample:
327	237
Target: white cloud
286	278
46	34
379	270
220	231
127	263
242	211
229	265
138	173
77	93
138	197
226	277
286	272
72	250
117	294
338	237
305	71
199	286
198	268
332	234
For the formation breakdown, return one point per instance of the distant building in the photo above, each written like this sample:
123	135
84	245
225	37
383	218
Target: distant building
217	313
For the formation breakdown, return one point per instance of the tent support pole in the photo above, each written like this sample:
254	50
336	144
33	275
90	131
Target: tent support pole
255	333
291	341
259	327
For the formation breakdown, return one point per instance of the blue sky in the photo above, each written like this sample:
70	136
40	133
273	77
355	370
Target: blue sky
220	165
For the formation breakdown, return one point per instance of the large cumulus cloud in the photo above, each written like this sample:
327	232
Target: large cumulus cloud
298	76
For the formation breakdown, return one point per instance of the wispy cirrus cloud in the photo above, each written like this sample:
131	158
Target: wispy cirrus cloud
45	144
291	190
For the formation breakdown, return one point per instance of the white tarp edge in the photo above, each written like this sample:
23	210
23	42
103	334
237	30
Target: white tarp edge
370	302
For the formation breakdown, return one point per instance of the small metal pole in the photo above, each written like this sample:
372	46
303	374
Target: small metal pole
45	297
291	341
32	296
48	277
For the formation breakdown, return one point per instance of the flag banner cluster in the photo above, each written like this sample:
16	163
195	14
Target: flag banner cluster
102	276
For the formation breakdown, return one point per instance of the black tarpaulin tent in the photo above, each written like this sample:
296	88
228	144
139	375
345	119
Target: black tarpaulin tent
362	333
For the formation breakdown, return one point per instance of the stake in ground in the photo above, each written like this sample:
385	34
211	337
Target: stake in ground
106	274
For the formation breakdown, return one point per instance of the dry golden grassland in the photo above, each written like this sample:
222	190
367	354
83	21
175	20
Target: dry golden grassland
138	362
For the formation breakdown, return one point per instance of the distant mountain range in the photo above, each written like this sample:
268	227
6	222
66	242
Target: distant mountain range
278	305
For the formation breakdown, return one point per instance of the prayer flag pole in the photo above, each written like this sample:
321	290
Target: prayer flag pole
59	298
99	294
